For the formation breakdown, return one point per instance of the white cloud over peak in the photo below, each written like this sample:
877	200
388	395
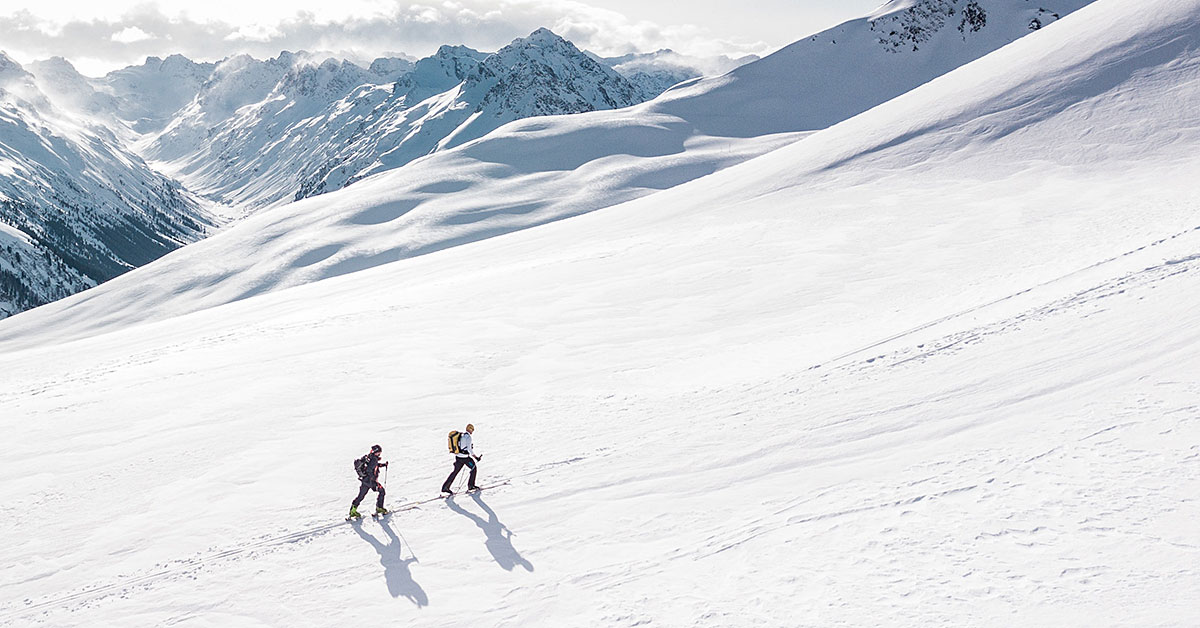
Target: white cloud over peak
221	28
131	34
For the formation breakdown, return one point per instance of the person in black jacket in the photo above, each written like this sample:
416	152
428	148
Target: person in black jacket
368	473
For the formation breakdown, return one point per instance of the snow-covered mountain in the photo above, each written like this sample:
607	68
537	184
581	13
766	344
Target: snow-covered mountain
290	116
935	365
244	130
262	158
258	133
76	209
437	73
288	144
149	96
252	115
132	101
538	170
848	69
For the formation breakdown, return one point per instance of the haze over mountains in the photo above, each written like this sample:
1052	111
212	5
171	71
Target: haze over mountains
322	128
242	134
77	207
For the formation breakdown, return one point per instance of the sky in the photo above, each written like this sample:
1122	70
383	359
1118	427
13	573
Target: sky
100	36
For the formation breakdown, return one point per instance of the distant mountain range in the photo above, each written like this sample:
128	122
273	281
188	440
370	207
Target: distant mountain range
151	157
296	129
79	204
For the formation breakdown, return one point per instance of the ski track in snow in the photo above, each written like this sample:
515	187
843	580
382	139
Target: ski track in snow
192	568
196	568
972	336
1089	454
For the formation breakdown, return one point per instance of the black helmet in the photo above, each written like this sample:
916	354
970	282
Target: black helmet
375	449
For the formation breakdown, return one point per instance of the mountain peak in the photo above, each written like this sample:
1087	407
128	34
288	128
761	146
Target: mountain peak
177	61
447	51
10	69
543	74
390	66
544	44
58	62
541	37
7	62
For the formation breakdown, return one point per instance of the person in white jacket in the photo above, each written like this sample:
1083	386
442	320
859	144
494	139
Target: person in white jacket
465	456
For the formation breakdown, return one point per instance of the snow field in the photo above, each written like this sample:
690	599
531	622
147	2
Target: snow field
975	495
1030	442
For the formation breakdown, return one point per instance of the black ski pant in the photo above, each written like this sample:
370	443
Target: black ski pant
459	463
366	488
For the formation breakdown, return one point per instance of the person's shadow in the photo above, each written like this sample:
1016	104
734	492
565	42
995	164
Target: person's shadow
395	569
499	537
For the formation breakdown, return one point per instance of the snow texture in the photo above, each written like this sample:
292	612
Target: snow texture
938	364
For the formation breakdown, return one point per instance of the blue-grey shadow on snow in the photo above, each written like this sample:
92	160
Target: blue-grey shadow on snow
395	568
499	537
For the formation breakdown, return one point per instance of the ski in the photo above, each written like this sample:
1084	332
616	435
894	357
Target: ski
469	491
418	504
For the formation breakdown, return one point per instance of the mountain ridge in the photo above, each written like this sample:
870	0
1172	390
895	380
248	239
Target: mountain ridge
462	95
78	209
191	120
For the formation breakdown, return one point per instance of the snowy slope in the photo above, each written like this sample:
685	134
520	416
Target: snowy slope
529	173
1002	429
843	71
77	208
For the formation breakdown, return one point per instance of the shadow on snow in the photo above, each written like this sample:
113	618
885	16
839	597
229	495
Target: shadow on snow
499	537
395	568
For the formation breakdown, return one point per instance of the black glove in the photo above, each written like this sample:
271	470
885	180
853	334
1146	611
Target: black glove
479	457
383	464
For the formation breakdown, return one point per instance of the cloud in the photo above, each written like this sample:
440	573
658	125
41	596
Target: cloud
417	28
131	34
262	33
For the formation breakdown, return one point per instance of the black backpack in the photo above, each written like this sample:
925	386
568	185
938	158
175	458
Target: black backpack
360	467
